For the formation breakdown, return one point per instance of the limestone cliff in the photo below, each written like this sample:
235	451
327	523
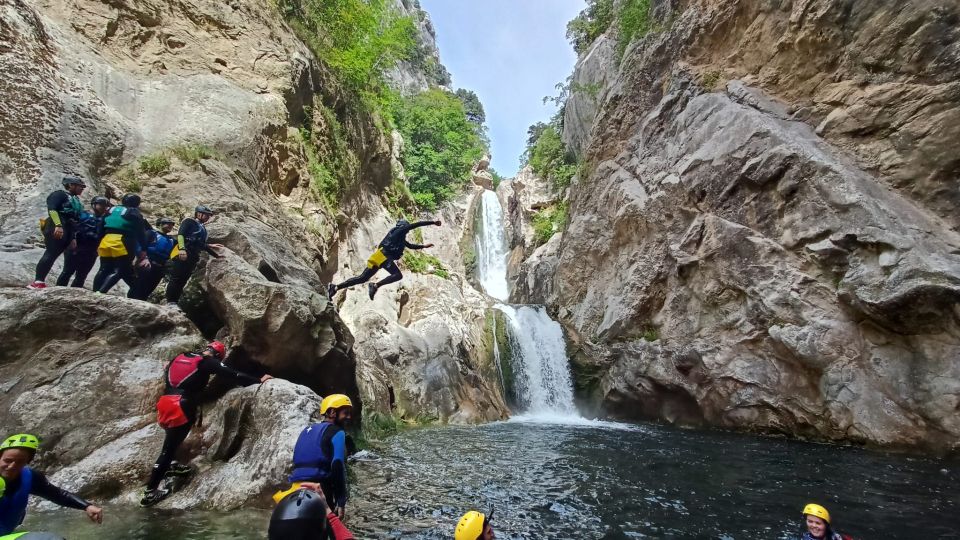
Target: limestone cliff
765	234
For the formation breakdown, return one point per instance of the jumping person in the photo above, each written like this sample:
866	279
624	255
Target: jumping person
124	241
386	256
186	377
474	526
191	240
21	481
88	236
159	252
320	454
59	229
303	514
817	520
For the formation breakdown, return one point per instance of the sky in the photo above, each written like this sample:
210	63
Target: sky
512	53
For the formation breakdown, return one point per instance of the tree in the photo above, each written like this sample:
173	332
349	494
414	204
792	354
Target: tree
593	21
472	105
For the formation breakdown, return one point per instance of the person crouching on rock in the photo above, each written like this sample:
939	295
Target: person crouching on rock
474	526
386	256
302	514
320	454
186	377
191	240
18	482
159	251
59	229
124	241
818	524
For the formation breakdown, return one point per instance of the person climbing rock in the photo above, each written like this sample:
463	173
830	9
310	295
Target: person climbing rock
302	514
59	228
320	454
474	526
186	378
88	236
191	240
124	242
385	257
20	481
818	524
159	252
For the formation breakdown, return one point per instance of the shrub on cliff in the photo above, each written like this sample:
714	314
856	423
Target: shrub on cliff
548	156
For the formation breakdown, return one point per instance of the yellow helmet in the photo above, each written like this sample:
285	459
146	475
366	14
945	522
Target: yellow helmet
21	440
470	526
817	510
334	401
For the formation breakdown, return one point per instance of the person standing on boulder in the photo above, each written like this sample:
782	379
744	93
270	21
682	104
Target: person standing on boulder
191	240
386	256
320	454
88	236
59	228
124	242
159	252
186	378
19	481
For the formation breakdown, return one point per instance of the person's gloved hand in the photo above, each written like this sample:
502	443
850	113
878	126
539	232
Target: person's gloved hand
182	255
95	513
57	232
437	223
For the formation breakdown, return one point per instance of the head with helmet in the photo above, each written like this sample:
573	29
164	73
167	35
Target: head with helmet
474	526
215	349
402	223
165	224
131	200
100	205
203	213
337	408
16	451
301	515
73	184
817	521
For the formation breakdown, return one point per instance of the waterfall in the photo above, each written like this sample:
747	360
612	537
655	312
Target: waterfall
491	248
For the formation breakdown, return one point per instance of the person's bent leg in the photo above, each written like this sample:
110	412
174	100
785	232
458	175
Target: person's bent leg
395	274
121	269
70	260
85	261
362	278
179	275
53	249
108	266
172	440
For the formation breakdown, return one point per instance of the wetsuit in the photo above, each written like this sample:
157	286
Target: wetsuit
829	535
192	237
387	254
158	253
13	504
78	263
320	455
190	390
125	230
64	210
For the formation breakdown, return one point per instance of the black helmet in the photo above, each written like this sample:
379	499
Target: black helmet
131	200
68	180
100	199
402	223
165	221
301	515
203	209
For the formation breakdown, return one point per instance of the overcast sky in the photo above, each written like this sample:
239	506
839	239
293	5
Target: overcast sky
511	53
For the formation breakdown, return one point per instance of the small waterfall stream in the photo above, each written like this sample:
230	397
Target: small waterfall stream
492	248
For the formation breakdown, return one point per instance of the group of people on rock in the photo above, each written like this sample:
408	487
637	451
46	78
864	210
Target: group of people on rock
128	247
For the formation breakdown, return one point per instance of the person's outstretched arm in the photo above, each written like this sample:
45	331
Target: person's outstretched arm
41	487
418	224
416	246
219	368
338	470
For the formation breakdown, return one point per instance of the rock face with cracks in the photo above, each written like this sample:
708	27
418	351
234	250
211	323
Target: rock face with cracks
755	244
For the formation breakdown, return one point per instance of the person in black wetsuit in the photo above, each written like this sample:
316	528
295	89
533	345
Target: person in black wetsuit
124	242
19	482
186	378
59	229
88	236
158	254
191	240
386	256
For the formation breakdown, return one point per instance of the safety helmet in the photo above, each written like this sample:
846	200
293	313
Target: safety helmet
470	526
21	440
817	510
334	401
219	348
165	221
100	199
402	223
203	209
301	515
131	200
68	180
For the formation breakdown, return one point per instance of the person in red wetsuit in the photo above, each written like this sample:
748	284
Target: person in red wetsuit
303	514
186	378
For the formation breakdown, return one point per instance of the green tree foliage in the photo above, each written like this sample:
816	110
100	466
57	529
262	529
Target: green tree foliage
635	22
440	145
593	21
548	221
548	157
472	106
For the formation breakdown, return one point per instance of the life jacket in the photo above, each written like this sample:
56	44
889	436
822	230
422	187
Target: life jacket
198	239
159	250
310	462
182	367
118	220
88	229
13	505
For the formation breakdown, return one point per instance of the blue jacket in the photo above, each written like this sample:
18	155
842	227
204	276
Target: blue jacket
160	247
13	506
320	456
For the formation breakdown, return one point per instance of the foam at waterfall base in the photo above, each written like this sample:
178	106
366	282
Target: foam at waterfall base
570	420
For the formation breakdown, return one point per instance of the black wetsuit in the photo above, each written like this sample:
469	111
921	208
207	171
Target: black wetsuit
392	247
68	208
134	233
78	264
191	390
158	253
192	237
41	487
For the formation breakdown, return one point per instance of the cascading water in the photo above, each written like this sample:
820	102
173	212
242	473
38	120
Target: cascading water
492	248
538	352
